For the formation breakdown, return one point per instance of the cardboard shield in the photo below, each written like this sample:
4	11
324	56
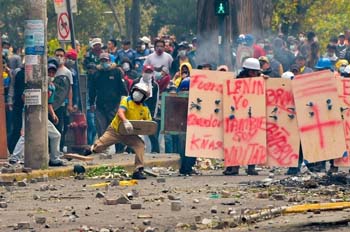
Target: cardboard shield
141	127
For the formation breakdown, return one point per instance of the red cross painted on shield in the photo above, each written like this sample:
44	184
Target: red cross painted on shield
319	125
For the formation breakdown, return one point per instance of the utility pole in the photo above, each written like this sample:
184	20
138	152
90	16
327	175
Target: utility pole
36	116
3	140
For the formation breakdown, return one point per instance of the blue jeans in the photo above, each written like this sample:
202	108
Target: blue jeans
91	130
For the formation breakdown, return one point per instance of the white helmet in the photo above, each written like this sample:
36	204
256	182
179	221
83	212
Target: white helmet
142	88
252	63
288	75
347	69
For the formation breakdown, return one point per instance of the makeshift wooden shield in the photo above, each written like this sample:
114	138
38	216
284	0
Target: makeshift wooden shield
204	136
343	85
141	127
319	118
283	139
244	121
62	86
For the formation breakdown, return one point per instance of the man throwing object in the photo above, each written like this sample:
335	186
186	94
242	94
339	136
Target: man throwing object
130	108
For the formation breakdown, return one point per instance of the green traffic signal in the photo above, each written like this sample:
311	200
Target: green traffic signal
221	7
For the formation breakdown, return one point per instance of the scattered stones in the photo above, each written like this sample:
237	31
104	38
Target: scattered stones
3	205
136	206
146	222
123	200
144	216
160	180
296	199
104	230
195	201
198	219
44	187
40	220
225	194
263	195
173	198
176	206
33	181
23	226
100	195
44	178
214	210
36	197
278	197
135	193
206	221
110	201
337	200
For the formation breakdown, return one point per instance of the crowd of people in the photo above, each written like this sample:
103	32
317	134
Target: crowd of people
121	81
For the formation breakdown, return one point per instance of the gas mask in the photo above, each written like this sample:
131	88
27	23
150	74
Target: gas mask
143	47
137	96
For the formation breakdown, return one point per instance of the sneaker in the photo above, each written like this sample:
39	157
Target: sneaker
231	171
138	175
56	163
252	172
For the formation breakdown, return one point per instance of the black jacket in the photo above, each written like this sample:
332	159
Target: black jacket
106	87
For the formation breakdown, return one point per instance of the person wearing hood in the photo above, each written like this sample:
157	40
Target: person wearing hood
184	72
129	73
182	57
106	88
152	101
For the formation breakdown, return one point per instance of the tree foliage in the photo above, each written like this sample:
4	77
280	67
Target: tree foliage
326	18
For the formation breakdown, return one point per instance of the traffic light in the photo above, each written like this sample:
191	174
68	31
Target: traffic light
221	7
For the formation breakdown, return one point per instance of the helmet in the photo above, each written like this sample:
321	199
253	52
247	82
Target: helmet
143	88
249	39
184	85
251	63
72	54
346	72
288	75
324	63
341	62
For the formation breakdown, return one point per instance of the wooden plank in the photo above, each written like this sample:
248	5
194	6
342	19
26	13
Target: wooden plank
140	127
320	126
77	156
205	122
244	121
343	85
283	139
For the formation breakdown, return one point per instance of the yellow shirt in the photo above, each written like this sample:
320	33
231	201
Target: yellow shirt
133	111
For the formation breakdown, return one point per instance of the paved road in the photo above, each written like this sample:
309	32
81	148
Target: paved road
70	204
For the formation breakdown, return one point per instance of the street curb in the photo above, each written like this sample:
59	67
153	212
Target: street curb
68	171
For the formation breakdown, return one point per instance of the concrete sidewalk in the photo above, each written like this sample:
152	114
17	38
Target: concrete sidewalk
124	160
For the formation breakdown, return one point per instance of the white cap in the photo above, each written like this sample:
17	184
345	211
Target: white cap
95	41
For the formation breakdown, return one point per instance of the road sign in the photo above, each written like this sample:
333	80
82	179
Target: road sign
63	30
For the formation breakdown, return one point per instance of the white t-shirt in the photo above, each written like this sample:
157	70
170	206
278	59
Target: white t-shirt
157	61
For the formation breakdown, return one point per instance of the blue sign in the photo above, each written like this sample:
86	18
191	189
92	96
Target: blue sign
34	37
